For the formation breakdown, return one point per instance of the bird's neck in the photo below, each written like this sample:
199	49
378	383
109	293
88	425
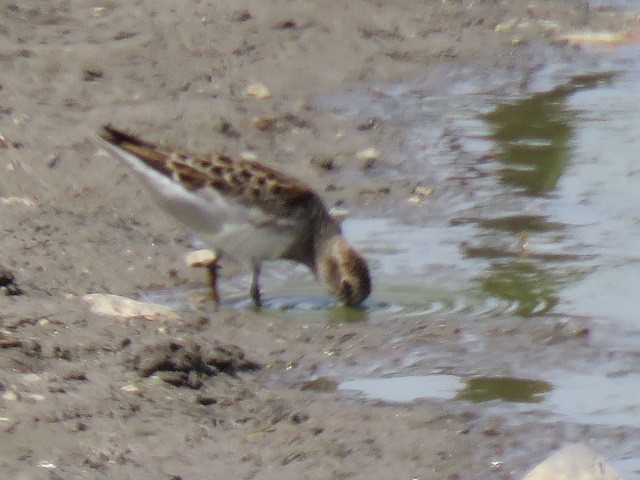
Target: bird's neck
316	237
326	232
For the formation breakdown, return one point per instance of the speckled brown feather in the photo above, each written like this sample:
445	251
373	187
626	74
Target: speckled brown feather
245	181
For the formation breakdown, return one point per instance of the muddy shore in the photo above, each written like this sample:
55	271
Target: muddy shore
223	394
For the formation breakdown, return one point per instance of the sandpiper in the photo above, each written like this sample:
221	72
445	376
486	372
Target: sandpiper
247	211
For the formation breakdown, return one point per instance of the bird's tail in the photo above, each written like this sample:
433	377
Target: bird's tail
118	142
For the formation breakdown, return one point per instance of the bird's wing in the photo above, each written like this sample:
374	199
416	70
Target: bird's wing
212	190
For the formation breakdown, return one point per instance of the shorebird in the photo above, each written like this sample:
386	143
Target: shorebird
247	211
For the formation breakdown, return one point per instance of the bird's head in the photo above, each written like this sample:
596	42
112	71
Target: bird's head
345	272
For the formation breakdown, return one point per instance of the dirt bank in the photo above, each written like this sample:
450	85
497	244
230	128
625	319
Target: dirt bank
217	395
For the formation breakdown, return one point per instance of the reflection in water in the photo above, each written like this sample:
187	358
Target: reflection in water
339	314
520	223
532	135
320	385
508	389
533	142
445	387
533	289
406	389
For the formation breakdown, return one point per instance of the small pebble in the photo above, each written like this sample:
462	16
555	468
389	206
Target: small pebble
339	213
325	162
422	191
257	90
368	124
368	154
241	16
264	123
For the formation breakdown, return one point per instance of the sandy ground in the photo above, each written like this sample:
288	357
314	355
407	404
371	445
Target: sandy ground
79	395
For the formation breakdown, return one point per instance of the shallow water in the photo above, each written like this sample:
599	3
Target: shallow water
616	405
450	387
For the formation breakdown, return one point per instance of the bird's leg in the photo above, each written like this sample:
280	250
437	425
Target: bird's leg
255	286
207	259
212	274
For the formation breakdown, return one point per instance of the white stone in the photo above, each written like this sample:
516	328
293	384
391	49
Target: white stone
117	306
574	462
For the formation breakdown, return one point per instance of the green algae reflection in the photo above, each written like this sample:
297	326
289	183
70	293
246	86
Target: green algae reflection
533	135
531	289
508	389
527	280
532	140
